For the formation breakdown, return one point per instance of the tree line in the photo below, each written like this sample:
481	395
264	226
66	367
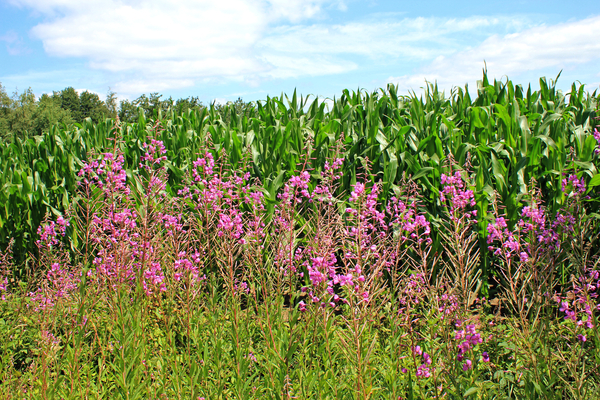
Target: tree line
22	114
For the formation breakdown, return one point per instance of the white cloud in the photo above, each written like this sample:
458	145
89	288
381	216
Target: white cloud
417	38
290	66
148	86
297	10
148	46
563	46
164	45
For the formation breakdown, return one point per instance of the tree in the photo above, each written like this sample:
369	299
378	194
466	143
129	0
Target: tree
91	106
238	107
21	121
111	104
191	103
152	104
128	111
23	116
5	111
70	101
48	113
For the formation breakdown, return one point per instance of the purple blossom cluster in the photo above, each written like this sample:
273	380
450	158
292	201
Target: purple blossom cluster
423	370
332	171
296	190
458	196
48	232
448	306
222	198
107	174
154	279
58	281
406	221
467	338
155	154
368	225
413	290
581	303
369	235
324	279
331	174
119	245
58	284
370	219
535	230
577	185
125	250
203	168
188	267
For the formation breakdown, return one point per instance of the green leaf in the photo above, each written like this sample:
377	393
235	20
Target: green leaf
595	181
422	172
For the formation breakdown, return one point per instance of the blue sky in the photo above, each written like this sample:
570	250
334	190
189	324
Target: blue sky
222	50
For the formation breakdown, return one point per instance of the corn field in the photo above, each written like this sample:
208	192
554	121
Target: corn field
508	139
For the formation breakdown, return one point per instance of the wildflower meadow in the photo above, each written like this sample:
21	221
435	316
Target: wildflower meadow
331	280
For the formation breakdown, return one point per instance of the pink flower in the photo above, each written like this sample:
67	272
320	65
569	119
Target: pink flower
423	371
359	188
467	365
302	306
427	358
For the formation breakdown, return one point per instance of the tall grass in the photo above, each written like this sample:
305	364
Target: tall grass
226	289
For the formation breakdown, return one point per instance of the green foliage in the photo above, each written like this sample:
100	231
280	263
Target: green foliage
5	111
242	322
49	113
509	138
153	107
23	116
20	115
69	100
90	106
86	105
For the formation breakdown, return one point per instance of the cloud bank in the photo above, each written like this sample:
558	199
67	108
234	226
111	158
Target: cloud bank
156	46
558	47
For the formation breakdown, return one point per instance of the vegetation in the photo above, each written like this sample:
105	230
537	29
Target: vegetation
23	116
389	247
512	140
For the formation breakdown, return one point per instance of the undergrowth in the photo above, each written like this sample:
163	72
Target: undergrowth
217	293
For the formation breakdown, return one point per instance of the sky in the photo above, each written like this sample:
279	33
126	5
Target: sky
219	50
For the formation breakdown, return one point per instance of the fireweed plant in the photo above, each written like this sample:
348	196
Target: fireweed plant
222	292
536	256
